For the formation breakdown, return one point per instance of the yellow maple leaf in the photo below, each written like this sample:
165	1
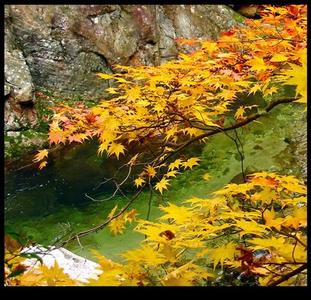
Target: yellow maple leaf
151	171
105	76
180	214
112	90
294	201
298	219
31	278
209	46
145	255
227	94
206	176
270	220
193	161
257	87
133	93
175	164
42	165
257	64
117	225
162	185
293	185
267	243
112	212
116	149
139	181
109	278
222	253
185	275
105	263
55	275
41	155
102	147
192	131
250	227
270	91
240	112
171	174
107	136
278	58
170	133
298	76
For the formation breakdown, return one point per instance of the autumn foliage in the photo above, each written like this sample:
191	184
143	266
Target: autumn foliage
257	228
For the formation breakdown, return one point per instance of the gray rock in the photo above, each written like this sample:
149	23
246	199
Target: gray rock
18	80
18	87
77	267
65	45
17	117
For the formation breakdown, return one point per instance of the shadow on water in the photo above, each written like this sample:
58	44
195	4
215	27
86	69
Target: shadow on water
43	205
30	192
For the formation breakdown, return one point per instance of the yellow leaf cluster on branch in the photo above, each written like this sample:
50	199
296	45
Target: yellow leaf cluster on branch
233	229
183	99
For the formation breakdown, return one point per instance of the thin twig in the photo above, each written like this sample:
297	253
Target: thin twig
149	202
102	225
217	130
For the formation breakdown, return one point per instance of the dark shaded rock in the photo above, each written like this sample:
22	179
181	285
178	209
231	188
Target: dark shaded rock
18	116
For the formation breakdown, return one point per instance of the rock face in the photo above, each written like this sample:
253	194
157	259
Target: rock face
18	88
59	48
65	45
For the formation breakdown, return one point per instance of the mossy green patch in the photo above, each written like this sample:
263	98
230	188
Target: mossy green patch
237	17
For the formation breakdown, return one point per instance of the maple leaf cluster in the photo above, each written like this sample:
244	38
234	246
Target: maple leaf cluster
257	228
183	99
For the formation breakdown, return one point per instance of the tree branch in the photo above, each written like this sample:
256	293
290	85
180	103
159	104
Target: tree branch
288	275
198	138
102	225
234	126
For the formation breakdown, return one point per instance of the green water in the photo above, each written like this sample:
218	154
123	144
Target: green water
41	205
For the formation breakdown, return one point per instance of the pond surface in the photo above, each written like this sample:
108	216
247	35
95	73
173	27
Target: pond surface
42	205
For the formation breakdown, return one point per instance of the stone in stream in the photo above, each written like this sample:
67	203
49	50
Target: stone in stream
77	267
